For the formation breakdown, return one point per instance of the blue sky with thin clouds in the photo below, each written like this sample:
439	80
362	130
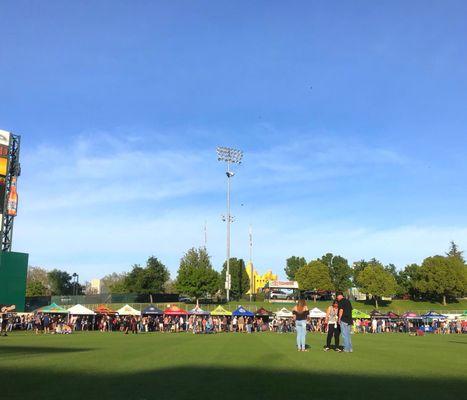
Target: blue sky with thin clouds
352	117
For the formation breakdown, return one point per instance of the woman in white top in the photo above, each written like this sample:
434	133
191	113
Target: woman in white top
332	316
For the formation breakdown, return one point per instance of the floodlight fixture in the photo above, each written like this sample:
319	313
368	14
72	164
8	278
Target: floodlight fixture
229	155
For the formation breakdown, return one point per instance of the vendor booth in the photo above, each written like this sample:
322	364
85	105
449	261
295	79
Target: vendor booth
411	315
128	310
317	313
377	314
174	310
79	309
284	313
102	309
263	313
357	314
220	311
198	311
152	310
52	309
392	315
242	312
433	315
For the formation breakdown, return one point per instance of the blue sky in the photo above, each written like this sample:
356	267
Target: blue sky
352	117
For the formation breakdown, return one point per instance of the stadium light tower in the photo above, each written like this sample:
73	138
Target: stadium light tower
230	156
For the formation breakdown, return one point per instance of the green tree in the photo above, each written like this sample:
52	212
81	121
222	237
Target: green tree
406	280
239	283
358	267
196	277
377	281
455	252
60	282
293	264
150	279
314	276
339	270
444	277
114	283
35	288
37	282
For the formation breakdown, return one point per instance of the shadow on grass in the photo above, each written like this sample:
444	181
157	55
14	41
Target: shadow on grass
220	383
34	350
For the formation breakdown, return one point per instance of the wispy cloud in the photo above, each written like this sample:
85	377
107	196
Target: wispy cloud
106	201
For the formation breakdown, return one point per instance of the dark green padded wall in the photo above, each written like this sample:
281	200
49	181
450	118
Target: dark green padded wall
13	271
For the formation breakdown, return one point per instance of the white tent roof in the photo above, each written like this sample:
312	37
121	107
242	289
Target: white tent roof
78	309
317	313
128	310
284	313
453	316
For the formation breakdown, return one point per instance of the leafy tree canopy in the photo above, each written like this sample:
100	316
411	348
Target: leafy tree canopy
314	276
196	277
377	281
150	279
445	277
60	282
293	264
240	283
455	252
339	270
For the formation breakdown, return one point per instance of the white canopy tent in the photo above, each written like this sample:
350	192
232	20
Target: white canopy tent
128	310
317	313
284	313
78	309
453	316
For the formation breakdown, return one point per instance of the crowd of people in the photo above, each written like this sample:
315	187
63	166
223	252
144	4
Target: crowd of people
200	324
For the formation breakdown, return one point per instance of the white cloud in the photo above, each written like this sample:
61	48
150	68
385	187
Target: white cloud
108	201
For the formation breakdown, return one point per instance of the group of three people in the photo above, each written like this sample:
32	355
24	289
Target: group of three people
338	320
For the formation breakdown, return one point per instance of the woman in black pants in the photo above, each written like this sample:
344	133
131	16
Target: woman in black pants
333	326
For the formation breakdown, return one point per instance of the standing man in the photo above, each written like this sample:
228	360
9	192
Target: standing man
345	320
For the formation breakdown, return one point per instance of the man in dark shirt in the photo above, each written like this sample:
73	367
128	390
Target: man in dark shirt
345	320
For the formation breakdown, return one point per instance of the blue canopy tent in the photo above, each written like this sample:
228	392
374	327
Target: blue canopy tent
242	312
152	310
433	315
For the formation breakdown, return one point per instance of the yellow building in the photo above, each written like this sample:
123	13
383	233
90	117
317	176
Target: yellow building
259	281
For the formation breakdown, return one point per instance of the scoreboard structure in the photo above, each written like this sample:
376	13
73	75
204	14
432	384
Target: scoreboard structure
13	265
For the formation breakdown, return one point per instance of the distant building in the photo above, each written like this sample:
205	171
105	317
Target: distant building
259	281
96	286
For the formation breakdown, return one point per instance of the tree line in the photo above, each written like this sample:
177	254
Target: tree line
438	277
196	278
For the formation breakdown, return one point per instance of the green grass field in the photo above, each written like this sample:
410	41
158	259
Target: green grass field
230	366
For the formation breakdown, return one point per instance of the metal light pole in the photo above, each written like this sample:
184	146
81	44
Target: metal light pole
252	278
230	156
75	285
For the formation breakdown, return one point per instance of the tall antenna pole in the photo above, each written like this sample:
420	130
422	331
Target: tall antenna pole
205	235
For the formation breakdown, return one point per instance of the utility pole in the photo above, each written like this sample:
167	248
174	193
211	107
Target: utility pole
252	278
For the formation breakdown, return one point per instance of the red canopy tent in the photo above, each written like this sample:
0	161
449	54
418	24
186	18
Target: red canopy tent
174	310
392	315
103	309
262	312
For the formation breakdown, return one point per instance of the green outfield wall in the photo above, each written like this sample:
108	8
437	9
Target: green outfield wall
13	271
